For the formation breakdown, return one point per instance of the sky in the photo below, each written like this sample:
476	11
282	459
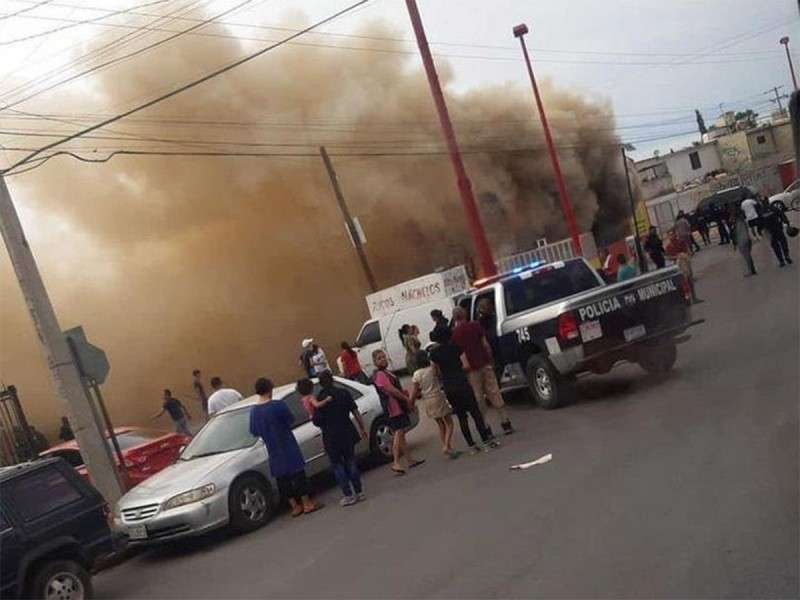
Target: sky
653	61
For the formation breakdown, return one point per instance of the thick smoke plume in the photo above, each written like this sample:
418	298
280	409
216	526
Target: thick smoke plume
225	264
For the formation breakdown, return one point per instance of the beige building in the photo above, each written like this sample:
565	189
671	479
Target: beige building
766	144
672	172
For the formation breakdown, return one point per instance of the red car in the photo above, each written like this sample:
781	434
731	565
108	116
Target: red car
145	452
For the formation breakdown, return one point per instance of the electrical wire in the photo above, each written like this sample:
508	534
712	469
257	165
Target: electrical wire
22	11
411	41
189	85
105	49
71	25
125	57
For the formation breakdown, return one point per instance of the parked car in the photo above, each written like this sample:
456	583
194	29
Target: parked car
788	199
145	452
557	320
53	528
222	477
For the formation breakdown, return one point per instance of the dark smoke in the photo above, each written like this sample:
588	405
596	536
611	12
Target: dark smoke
225	264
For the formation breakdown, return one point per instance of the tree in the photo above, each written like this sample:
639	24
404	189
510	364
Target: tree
746	116
701	124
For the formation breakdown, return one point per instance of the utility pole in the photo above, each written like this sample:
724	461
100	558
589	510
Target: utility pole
778	97
63	370
637	239
566	204
485	258
785	42
348	220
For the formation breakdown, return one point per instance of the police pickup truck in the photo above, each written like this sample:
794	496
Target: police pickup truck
550	322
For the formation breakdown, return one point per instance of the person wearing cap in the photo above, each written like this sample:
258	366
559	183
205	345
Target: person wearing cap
313	358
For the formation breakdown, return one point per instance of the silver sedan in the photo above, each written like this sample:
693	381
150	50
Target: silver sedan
222	477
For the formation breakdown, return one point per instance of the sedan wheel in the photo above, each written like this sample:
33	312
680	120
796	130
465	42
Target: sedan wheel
249	503
381	440
253	503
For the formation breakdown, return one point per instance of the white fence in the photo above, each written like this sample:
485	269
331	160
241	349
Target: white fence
560	250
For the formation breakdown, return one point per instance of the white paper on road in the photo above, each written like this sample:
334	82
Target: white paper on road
539	461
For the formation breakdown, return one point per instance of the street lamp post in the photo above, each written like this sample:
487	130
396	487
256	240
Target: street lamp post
566	205
785	41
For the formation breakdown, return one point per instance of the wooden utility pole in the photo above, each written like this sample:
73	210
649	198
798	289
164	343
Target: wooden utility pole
355	235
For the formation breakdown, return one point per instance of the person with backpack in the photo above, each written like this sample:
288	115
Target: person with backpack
339	436
396	405
773	220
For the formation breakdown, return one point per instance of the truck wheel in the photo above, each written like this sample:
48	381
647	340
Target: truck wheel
659	358
249	504
545	383
59	579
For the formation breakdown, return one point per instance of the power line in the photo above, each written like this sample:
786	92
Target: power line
24	10
39	161
189	85
136	33
127	56
410	52
411	41
85	22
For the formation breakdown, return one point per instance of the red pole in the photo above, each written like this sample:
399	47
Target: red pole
566	205
485	258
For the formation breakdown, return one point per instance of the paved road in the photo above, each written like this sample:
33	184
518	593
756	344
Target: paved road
685	486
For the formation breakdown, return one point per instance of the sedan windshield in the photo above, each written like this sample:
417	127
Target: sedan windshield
226	432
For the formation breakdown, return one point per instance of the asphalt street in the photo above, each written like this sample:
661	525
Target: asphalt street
680	486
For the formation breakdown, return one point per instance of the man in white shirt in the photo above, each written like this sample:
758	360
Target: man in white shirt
750	209
221	397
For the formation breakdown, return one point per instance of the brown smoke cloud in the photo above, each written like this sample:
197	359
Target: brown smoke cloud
225	264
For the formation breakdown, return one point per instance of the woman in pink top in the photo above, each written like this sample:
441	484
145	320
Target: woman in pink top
305	387
399	405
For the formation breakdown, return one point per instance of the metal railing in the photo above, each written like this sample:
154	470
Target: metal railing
560	250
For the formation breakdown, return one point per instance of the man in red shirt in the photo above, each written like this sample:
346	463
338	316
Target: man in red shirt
470	337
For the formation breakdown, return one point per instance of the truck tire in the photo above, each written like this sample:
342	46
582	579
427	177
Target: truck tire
659	358
249	504
60	578
548	388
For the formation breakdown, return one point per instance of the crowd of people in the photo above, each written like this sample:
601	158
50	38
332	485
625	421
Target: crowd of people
453	375
740	225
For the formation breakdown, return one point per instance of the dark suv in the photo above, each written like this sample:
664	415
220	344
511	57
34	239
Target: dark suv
53	528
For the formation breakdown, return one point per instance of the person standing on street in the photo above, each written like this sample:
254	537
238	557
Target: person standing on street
449	361
470	337
271	420
397	406
683	228
317	360
410	336
626	270
350	366
655	248
428	388
200	392
741	238
221	396
440	322
722	227
305	356
773	220
702	227
339	436
678	250
750	208
177	412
